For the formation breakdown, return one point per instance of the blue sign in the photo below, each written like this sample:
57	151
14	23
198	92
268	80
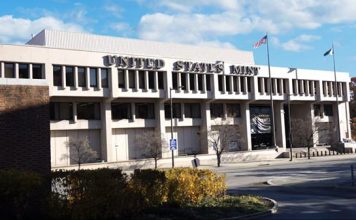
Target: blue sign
173	144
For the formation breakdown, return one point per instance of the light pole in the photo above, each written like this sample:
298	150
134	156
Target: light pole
289	115
171	101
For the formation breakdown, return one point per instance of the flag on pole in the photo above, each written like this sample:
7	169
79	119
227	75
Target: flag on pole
263	40
329	52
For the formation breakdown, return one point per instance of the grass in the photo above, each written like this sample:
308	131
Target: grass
225	207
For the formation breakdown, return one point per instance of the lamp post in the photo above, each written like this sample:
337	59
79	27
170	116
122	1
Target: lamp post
171	101
289	115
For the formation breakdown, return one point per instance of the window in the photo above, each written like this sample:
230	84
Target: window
233	110
145	110
141	79
235	80
151	80
37	71
104	78
274	85
266	82
160	80
175	80
242	84
121	111
220	82
285	85
132	77
24	71
183	80
216	110
259	85
177	113
294	86
200	82
69	76
82	77
278	86
61	111
192	81
121	78
192	110
208	82
316	110
227	80
328	110
57	75
9	70
93	77
249	82
88	110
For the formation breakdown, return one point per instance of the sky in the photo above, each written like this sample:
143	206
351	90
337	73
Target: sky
299	31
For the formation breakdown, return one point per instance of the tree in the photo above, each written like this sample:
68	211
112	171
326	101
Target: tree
352	105
151	143
221	136
80	151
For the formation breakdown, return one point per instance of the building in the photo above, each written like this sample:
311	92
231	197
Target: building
112	90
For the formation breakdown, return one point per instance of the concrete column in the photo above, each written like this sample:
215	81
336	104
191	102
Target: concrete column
231	84
214	85
114	82
107	150
280	81
224	111
296	86
179	79
17	70
195	82
63	76
182	110
312	88
262	80
223	84
246	127
156	81
30	72
136	81
301	86
76	77
280	125
245	82
75	112
254	88
274	81
238	84
187	81
126	72
133	111
2	69
161	128
205	146
99	86
204	83
330	89
146	80
87	73
307	87
319	90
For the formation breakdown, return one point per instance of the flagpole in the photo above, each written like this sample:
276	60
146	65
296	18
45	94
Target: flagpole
270	95
337	97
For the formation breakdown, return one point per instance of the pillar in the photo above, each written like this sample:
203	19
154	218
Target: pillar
246	126
280	125
106	132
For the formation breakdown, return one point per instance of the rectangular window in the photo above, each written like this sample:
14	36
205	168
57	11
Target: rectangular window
160	80
141	79
151	80
121	79
273	85
294	87
132	79
242	84
249	82
285	85
220	82
328	110
200	82
88	110
145	110
192	81
57	75
259	85
175	80
235	78
266	82
227	81
93	77
208	82
37	71
183	80
121	111
216	110
104	77
9	70
192	110
24	71
69	76
316	110
176	110
61	111
82	77
278	86
233	110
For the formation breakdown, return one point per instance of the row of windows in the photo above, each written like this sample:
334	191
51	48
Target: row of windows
64	110
327	110
23	70
217	110
82	76
193	77
151	76
235	83
329	88
279	86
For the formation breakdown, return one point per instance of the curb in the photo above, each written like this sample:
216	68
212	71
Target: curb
271	211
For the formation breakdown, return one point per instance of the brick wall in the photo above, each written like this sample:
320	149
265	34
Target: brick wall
24	128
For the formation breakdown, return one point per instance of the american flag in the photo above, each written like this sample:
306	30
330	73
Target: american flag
260	42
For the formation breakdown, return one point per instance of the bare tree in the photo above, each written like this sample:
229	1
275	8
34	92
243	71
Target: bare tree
80	151
221	136
309	133
151	143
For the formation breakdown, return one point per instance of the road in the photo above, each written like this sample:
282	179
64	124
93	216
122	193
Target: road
304	189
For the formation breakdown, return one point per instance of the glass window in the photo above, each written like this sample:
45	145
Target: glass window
9	70
328	110
175	80
233	110
57	75
259	85
183	80
24	71
88	110
121	78
132	77
151	80
82	77
192	110
37	71
216	110
235	82
121	111
208	82
145	110
249	82
104	77
220	82
141	79
192	81
61	111
69	76
176	110
160	80
200	82
242	84
227	81
93	77
316	110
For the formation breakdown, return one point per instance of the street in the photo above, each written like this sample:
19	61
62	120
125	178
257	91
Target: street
319	188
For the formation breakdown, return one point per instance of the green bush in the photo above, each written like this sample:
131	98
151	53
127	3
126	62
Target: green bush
20	193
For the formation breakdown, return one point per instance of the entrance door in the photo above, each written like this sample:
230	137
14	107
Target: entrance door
261	135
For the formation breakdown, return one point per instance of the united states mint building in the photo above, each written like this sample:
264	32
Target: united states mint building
112	90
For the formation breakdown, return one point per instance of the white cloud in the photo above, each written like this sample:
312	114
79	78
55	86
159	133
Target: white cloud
15	30
297	44
120	26
113	8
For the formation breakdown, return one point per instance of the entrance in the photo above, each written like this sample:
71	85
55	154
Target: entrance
261	135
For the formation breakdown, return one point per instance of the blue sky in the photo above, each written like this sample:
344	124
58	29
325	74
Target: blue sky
300	31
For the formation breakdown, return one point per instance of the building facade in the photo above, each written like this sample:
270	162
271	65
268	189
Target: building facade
112	90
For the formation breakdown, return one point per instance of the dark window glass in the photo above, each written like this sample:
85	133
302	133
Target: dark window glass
121	78
57	75
316	110
145	110
208	82
328	110
233	110
266	81
132	77
82	77
141	79
220	82
88	110
121	111
176	110
192	110
227	81
192	81
9	70
285	85
200	82
69	76
216	110
273	85
234	78
61	111
24	71
104	77
293	86
160	80
151	80
183	80
175	80
37	71
249	82
242	84
259	85
93	77
278	86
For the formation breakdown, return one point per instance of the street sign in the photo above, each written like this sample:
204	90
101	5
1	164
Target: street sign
173	144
